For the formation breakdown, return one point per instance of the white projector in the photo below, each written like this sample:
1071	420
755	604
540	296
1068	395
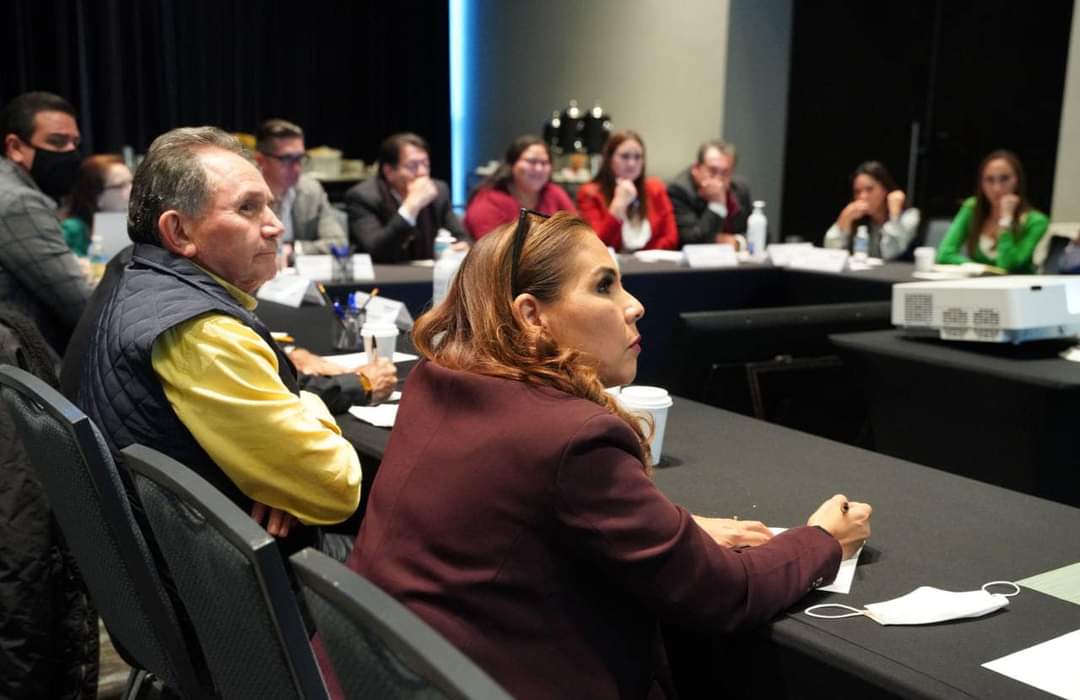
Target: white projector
1010	309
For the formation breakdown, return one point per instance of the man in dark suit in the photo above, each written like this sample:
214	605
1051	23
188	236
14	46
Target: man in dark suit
311	225
710	205
396	215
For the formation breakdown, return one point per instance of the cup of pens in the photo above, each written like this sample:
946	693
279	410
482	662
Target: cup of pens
340	264
350	317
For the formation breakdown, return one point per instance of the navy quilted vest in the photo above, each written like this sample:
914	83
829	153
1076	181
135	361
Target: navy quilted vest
119	390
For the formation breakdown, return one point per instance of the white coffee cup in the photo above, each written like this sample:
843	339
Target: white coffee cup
655	401
924	258
380	340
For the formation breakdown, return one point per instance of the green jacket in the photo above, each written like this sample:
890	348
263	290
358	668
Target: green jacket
76	235
1014	247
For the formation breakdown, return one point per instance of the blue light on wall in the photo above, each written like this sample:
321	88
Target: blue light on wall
459	45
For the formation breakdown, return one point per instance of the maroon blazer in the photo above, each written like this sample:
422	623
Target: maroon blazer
519	523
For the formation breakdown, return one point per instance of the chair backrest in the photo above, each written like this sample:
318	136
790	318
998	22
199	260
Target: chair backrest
718	345
378	647
935	232
90	502
231	579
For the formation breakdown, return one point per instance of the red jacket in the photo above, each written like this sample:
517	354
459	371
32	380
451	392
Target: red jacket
519	523
491	208
594	209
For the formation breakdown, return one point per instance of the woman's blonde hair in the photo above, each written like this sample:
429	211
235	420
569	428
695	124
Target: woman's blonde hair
476	329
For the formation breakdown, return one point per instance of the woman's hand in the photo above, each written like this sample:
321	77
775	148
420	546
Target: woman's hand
1009	204
895	201
734	533
847	521
856	210
278	522
624	195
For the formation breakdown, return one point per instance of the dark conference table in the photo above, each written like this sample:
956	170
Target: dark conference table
1003	414
930	528
667	289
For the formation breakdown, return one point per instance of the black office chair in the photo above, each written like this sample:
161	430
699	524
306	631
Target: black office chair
776	364
377	647
231	578
89	501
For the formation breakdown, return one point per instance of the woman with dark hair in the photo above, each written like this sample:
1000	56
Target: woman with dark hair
103	184
878	204
514	510
628	210
522	180
997	226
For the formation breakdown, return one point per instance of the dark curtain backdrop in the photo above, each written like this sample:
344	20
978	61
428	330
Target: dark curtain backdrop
349	73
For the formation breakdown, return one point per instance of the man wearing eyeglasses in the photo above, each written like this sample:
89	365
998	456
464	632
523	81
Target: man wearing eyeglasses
396	215
299	200
40	160
711	206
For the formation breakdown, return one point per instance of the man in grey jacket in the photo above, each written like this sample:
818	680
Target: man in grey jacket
39	275
311	225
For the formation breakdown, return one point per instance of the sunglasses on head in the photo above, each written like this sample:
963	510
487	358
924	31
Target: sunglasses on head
520	233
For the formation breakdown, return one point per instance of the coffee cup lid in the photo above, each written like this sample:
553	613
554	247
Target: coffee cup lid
379	329
646	396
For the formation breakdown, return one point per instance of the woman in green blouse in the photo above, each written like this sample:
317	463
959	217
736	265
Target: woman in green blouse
998	226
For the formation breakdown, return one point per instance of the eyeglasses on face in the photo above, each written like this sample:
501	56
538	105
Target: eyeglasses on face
289	159
414	166
1002	179
536	162
520	233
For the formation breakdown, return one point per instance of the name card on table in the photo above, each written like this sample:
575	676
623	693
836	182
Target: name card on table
321	267
383	310
290	289
780	254
819	260
710	255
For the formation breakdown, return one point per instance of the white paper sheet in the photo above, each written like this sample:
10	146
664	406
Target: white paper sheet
845	575
382	416
1049	666
355	359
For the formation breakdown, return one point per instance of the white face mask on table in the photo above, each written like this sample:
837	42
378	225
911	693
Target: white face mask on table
926	605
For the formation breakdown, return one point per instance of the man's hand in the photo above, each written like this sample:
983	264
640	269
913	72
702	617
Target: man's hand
383	377
309	363
713	189
278	522
421	192
734	533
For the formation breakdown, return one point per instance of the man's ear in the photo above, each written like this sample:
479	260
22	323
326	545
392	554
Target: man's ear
11	149
175	236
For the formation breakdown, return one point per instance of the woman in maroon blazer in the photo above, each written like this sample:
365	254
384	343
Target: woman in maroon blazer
628	210
513	509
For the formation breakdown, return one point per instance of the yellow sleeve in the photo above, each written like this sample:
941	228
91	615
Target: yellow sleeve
280	449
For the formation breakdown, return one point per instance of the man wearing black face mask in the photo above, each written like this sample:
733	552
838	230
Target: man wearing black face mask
38	273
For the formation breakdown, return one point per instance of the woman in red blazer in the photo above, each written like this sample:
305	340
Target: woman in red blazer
626	209
514	511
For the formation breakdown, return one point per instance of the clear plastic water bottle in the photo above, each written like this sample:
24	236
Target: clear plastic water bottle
757	229
445	269
443	240
861	248
98	259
